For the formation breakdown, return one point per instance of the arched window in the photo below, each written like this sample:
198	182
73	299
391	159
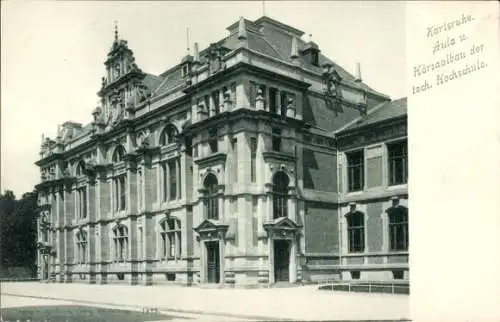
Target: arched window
280	195
168	135
120	239
81	246
171	238
212	202
356	232
119	154
398	228
79	168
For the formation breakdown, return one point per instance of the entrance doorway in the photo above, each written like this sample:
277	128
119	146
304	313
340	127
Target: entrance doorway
213	262
281	260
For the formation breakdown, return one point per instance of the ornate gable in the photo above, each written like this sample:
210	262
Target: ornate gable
211	229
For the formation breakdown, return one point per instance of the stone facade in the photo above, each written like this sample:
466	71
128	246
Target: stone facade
224	169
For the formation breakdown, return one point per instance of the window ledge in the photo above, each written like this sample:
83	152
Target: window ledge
397	186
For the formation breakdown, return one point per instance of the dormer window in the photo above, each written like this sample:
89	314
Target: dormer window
311	53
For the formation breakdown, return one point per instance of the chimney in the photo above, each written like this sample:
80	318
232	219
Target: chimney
242	33
358	72
295	49
196	52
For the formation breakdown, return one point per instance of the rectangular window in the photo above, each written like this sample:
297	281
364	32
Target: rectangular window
233	94
172	168
355	275
140	244
398	275
216	102
356	233
355	171
206	99
82	202
273	106
164	181
398	163
283	97
276	140
234	148
252	94
253	157
123	195
213	141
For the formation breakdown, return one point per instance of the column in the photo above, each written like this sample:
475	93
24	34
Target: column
166	185
292	204
149	248
293	261
270	245
221	260
159	184
203	262
132	250
178	174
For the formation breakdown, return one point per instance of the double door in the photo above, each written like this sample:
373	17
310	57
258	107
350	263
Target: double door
213	262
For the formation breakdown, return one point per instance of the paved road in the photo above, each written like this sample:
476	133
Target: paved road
298	303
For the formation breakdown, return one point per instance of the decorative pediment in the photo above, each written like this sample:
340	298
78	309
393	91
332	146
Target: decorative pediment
211	229
282	223
282	228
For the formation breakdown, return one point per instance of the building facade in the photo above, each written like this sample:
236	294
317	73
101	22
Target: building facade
233	167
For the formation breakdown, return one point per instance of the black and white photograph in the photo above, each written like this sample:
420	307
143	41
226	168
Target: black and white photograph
208	160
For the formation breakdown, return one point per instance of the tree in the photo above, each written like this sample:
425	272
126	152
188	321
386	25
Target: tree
18	230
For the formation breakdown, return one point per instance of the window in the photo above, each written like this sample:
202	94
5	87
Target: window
398	228
212	200
82	202
253	157
283	96
118	154
398	275
140	243
216	101
234	148
355	171
171	238
356	232
276	140
398	163
80	168
273	106
213	141
171	180
172	168
120	239
168	135
355	275
280	195
252	94
81	247
120	192
139	188
164	170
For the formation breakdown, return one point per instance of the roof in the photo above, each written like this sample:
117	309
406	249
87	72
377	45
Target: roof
379	113
275	42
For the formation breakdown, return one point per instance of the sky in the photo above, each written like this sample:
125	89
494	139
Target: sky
52	55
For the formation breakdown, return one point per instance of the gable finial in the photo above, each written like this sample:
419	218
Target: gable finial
116	30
